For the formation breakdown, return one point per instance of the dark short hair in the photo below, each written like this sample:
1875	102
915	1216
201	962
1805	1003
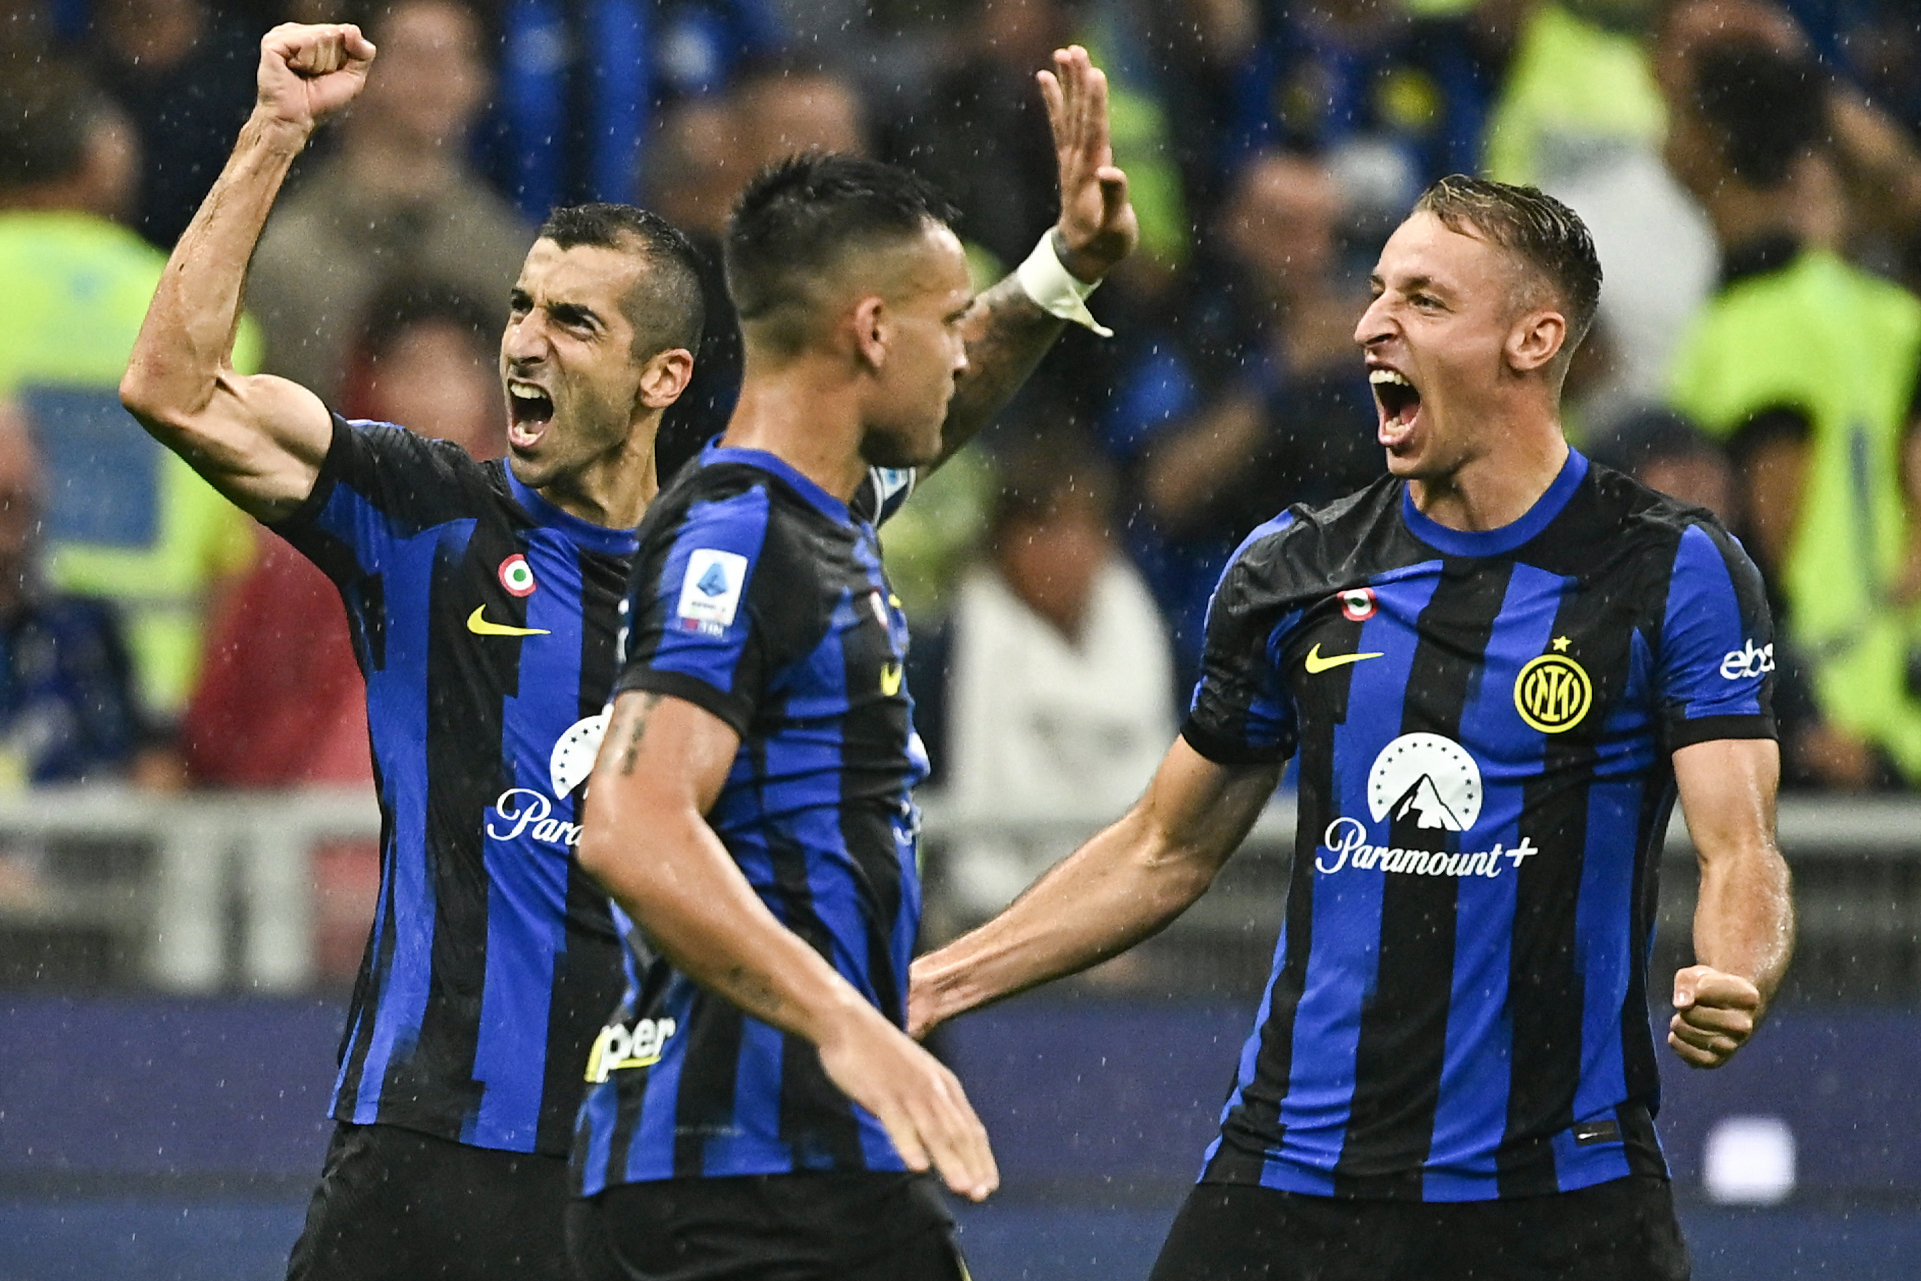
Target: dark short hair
1764	108
1548	237
798	218
666	310
47	112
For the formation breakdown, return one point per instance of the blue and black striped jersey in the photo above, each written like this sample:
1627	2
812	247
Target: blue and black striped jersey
759	597
486	621
1484	722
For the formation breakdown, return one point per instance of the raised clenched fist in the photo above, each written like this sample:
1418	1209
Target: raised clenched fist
309	72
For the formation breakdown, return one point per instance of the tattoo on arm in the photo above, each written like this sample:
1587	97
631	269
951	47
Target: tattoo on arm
634	730
1007	334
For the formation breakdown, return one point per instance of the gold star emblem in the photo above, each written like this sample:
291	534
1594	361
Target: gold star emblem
1560	644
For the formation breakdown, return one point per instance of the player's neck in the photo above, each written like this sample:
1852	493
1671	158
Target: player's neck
614	490
807	415
1496	487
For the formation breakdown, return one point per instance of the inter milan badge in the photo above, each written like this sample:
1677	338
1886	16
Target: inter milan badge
1553	692
1358	605
517	576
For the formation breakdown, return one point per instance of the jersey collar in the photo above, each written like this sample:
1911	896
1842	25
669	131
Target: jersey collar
598	538
1497	542
829	505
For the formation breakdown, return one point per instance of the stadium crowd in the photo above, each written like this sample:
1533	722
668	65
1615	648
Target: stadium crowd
1751	171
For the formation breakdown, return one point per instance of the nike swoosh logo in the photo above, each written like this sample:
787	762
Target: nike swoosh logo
479	626
890	679
1315	663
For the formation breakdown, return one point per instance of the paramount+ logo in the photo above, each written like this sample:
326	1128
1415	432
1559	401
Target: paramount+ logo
1553	693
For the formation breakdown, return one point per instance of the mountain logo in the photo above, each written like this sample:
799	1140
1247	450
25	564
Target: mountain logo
1427	779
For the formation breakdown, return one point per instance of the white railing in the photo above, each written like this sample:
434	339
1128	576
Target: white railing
227	896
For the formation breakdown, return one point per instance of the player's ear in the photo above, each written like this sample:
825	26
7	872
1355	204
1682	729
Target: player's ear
1535	339
872	330
665	376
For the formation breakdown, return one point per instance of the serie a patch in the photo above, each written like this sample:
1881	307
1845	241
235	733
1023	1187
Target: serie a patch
710	591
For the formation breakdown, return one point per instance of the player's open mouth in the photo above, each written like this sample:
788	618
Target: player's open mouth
529	411
1400	402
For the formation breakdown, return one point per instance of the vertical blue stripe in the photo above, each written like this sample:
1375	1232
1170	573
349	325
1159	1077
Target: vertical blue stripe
651	1154
527	876
1343	965
599	1112
1470	1115
397	723
752	1148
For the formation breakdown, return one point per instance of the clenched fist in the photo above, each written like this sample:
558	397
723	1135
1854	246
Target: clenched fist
309	72
1714	1015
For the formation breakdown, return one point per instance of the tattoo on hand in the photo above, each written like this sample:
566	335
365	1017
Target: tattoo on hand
635	729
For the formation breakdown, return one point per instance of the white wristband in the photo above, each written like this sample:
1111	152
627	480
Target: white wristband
1055	289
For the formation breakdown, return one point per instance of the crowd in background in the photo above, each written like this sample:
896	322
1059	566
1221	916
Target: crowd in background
1751	170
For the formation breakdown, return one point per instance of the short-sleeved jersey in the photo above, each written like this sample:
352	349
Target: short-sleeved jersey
486	621
1484	721
759	597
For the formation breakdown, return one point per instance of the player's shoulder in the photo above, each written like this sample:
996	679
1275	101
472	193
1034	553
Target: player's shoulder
1623	507
1308	544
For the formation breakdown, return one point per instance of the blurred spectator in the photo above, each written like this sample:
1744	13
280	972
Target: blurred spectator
982	135
1059	670
1390	99
396	195
697	166
68	713
1252	396
1581	116
125	519
1805	366
581	83
427	358
183	73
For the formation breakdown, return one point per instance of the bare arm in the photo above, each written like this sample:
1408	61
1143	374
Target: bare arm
1007	332
259	440
660	771
1123	886
1744	920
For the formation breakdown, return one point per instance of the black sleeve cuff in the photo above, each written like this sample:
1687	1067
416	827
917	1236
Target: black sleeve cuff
1223	750
736	712
1705	729
323	484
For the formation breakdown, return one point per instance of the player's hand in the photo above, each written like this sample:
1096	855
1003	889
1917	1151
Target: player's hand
309	72
915	1097
1097	220
1714	1015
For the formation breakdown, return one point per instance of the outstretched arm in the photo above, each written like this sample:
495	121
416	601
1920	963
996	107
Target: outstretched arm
1744	920
1008	331
259	440
660	771
1121	887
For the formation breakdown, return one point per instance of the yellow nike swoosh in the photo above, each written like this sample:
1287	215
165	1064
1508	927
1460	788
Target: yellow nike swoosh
1315	663
890	679
481	627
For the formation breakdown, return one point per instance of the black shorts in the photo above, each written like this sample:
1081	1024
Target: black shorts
781	1227
1624	1230
399	1204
